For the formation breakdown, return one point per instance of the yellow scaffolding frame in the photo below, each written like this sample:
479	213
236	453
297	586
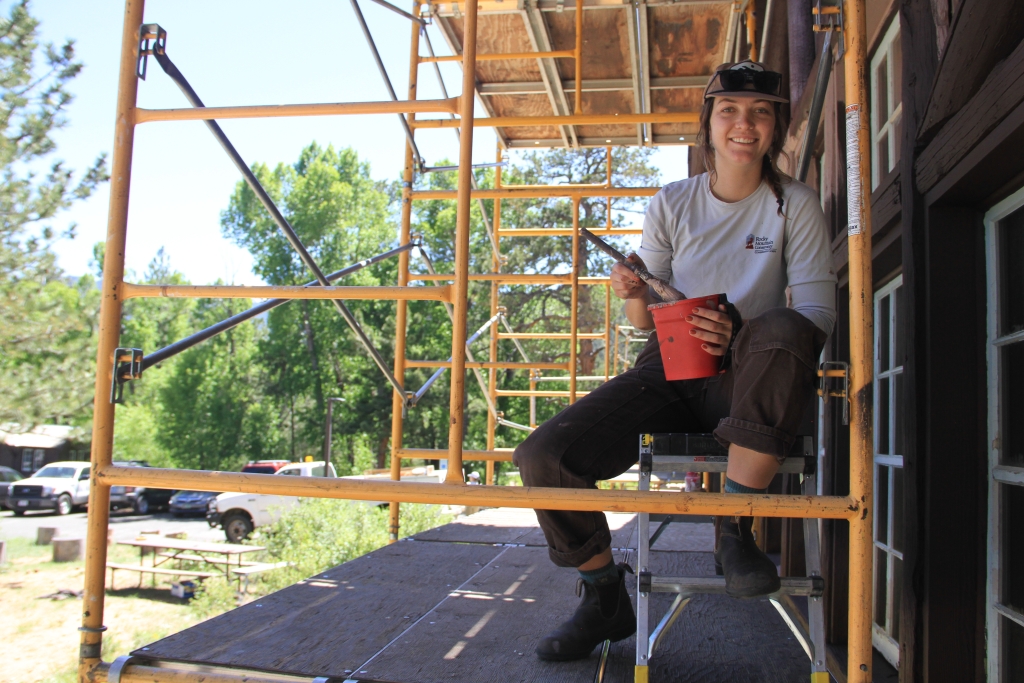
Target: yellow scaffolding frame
855	507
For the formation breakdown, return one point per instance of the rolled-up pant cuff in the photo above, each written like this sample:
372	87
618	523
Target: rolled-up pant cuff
756	437
599	542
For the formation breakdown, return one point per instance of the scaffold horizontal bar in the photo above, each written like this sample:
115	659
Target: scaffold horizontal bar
132	291
549	335
654	502
265	111
509	55
536	393
488	365
536	193
572	120
496	455
564	232
500	278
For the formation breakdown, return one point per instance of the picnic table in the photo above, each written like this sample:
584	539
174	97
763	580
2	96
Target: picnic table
216	559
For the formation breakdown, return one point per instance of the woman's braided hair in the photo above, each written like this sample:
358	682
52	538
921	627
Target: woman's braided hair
770	171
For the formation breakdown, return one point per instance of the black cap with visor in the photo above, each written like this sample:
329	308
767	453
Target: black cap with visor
746	79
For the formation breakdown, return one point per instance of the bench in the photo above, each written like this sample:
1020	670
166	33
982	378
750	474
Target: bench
199	558
246	571
113	567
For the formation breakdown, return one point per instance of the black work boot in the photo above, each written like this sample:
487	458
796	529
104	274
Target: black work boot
749	573
591	625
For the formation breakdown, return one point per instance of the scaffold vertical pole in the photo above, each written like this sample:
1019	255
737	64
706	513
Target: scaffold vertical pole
608	287
93	593
861	340
574	299
456	411
402	313
492	387
578	105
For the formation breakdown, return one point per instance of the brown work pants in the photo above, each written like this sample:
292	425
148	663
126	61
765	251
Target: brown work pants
758	403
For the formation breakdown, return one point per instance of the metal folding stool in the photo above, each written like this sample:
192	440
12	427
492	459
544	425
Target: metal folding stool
671	456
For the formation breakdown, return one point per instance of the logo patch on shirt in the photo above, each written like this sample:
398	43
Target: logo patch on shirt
760	245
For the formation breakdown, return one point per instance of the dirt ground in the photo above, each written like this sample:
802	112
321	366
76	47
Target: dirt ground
40	642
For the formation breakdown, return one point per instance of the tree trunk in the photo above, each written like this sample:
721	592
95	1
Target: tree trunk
307	329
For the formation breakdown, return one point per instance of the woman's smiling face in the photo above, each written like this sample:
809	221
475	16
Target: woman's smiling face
741	130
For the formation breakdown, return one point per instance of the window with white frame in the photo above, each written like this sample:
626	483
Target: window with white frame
886	103
1004	228
888	533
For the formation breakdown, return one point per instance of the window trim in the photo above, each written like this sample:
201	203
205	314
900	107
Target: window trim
998	475
882	51
880	639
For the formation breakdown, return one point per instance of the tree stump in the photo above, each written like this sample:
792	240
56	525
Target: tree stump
45	534
67	549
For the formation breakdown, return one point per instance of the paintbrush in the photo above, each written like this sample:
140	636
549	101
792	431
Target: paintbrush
663	289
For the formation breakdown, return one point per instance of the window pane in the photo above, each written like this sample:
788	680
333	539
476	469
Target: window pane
881	573
882	150
882	506
882	437
884	332
1011	422
897	596
897	409
1012	548
899	333
1011	289
897	140
896	54
882	93
1013	651
897	509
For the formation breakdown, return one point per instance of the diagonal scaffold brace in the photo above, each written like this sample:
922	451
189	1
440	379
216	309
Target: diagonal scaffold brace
125	370
153	42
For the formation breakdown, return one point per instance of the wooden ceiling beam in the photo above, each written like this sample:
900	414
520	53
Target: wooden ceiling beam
597	85
456	49
540	39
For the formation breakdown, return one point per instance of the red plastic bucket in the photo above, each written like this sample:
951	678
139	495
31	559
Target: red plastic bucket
680	351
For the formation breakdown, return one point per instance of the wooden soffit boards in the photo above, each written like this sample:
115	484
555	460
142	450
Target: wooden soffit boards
651	57
984	32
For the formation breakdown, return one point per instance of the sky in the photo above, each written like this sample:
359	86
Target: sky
235	53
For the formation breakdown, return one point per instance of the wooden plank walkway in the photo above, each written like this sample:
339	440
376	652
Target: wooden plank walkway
451	605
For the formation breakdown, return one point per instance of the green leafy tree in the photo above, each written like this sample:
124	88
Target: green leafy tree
49	320
213	412
341	215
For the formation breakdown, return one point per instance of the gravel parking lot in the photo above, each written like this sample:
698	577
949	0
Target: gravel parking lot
126	525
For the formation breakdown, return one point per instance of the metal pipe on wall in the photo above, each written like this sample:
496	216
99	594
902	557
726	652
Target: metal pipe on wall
858	163
93	593
456	406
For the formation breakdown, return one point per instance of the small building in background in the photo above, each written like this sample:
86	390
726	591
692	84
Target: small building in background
27	451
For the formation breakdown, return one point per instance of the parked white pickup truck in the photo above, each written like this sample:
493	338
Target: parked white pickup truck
60	486
239	513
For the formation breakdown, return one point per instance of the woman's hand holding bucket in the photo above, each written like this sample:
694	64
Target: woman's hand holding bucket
712	327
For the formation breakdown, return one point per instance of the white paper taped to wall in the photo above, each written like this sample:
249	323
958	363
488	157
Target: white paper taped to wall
854	205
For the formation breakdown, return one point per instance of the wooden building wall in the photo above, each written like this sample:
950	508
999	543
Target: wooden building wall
962	150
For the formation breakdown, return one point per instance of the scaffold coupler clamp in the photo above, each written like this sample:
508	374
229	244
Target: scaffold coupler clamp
835	370
117	668
643	581
646	454
127	366
152	41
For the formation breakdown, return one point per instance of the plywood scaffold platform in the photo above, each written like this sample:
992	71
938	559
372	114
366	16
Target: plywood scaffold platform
468	602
